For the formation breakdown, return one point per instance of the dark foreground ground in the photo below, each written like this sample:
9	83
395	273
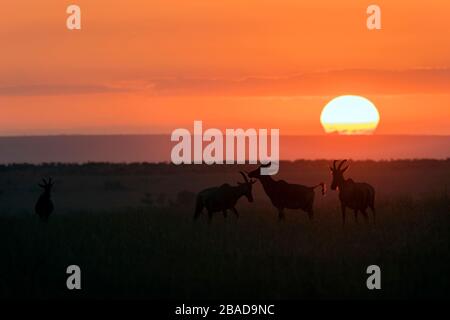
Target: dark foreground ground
130	229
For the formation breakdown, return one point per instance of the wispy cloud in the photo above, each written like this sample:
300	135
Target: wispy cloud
53	90
358	81
354	81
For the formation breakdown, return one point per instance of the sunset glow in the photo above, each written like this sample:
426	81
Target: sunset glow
153	66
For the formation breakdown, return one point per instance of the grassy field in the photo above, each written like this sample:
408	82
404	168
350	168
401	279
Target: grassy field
131	231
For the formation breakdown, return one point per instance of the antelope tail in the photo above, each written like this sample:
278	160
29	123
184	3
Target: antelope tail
324	187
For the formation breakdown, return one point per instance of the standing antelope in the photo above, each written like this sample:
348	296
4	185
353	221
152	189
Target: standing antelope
355	195
223	198
285	195
44	205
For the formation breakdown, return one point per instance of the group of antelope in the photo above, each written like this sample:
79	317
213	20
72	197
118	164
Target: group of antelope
357	196
354	195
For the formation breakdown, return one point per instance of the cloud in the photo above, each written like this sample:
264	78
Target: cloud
56	90
356	81
334	82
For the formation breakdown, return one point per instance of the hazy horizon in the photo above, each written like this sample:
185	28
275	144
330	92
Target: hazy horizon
157	148
168	134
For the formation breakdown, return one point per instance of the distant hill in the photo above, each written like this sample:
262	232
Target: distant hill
156	148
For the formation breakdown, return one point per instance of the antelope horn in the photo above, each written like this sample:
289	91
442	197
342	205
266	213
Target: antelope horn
340	165
334	164
245	177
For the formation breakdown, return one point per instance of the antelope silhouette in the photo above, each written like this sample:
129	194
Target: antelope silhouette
354	195
44	205
285	195
223	198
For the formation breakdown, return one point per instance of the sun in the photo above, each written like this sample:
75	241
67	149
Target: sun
350	115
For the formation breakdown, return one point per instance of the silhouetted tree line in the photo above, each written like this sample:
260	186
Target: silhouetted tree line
144	168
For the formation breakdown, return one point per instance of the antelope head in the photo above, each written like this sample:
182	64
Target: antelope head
247	185
338	174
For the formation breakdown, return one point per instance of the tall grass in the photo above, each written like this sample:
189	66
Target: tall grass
148	252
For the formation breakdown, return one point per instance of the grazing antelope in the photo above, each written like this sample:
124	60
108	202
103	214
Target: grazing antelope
223	198
285	195
44	205
354	195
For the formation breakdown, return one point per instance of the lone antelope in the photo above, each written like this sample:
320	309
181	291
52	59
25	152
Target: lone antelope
44	205
285	195
355	195
223	198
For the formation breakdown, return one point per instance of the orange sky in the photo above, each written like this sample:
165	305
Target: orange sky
144	66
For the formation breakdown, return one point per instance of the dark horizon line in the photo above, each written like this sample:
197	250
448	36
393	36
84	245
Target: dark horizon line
209	165
168	134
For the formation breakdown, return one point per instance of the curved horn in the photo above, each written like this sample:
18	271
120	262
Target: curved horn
340	165
334	164
245	177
